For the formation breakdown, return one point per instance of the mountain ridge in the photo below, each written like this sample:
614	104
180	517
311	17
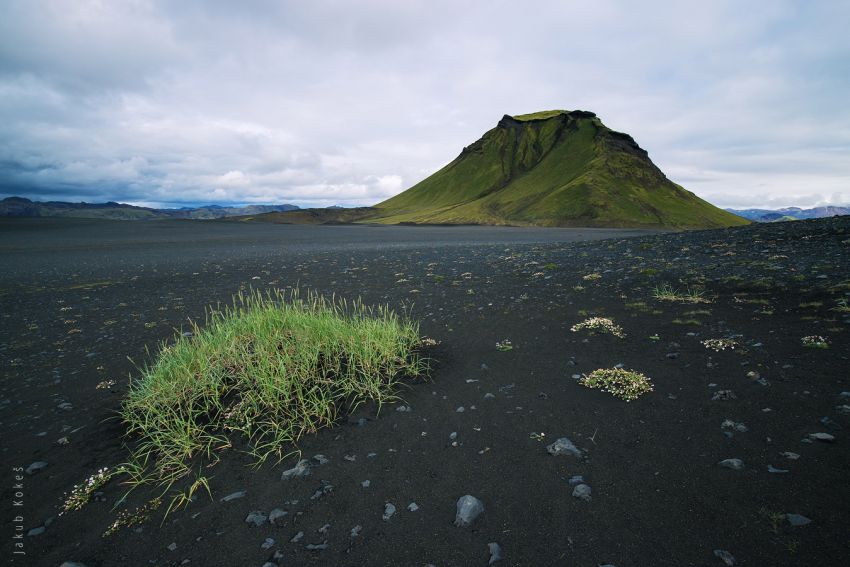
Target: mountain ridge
791	213
23	207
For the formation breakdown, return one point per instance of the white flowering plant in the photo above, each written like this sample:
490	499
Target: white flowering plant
81	494
720	344
627	385
599	325
815	341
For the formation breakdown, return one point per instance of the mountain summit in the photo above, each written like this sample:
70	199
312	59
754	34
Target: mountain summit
553	168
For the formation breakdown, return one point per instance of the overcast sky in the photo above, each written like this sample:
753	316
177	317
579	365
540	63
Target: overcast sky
350	102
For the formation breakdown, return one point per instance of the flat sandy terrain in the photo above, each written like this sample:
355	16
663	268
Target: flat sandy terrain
77	298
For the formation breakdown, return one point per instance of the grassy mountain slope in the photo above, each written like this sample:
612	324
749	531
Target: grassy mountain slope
553	168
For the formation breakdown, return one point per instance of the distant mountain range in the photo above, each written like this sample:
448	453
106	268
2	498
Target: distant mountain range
20	207
789	213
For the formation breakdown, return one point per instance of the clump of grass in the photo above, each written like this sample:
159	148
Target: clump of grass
627	385
842	306
815	341
504	346
268	369
668	293
720	344
599	325
592	277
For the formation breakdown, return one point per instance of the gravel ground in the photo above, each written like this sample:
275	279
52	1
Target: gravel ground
80	297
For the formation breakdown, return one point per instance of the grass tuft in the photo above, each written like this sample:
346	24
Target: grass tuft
668	293
268	370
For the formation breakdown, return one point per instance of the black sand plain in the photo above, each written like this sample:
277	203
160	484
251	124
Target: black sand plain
79	297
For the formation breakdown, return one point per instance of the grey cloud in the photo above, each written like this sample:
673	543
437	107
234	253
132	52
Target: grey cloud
328	102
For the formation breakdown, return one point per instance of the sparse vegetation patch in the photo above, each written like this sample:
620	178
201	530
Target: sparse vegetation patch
720	344
815	341
627	385
599	325
668	293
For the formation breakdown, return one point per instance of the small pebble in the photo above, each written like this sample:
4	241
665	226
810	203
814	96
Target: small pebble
797	520
468	509
727	558
825	437
495	552
582	491
234	496
734	464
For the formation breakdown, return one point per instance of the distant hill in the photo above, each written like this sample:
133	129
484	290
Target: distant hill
790	213
553	168
20	207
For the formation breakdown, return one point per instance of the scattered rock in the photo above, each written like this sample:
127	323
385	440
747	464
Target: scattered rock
36	467
256	517
842	408
234	496
825	437
790	456
297	537
300	470
829	423
468	509
269	564
36	531
772	469
267	543
723	395
460	409
319	460
729	425
277	514
172	546
316	546
734	464
72	564
355	531
489	396
727	558
406	409
796	519
576	479
413	506
366	483
582	491
564	446
495	552
389	510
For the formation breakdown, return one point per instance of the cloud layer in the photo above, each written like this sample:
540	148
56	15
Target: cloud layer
326	102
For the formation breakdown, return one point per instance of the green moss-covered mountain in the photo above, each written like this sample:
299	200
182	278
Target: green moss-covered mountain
552	168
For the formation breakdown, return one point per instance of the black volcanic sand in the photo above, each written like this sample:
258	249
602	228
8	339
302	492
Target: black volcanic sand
79	297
